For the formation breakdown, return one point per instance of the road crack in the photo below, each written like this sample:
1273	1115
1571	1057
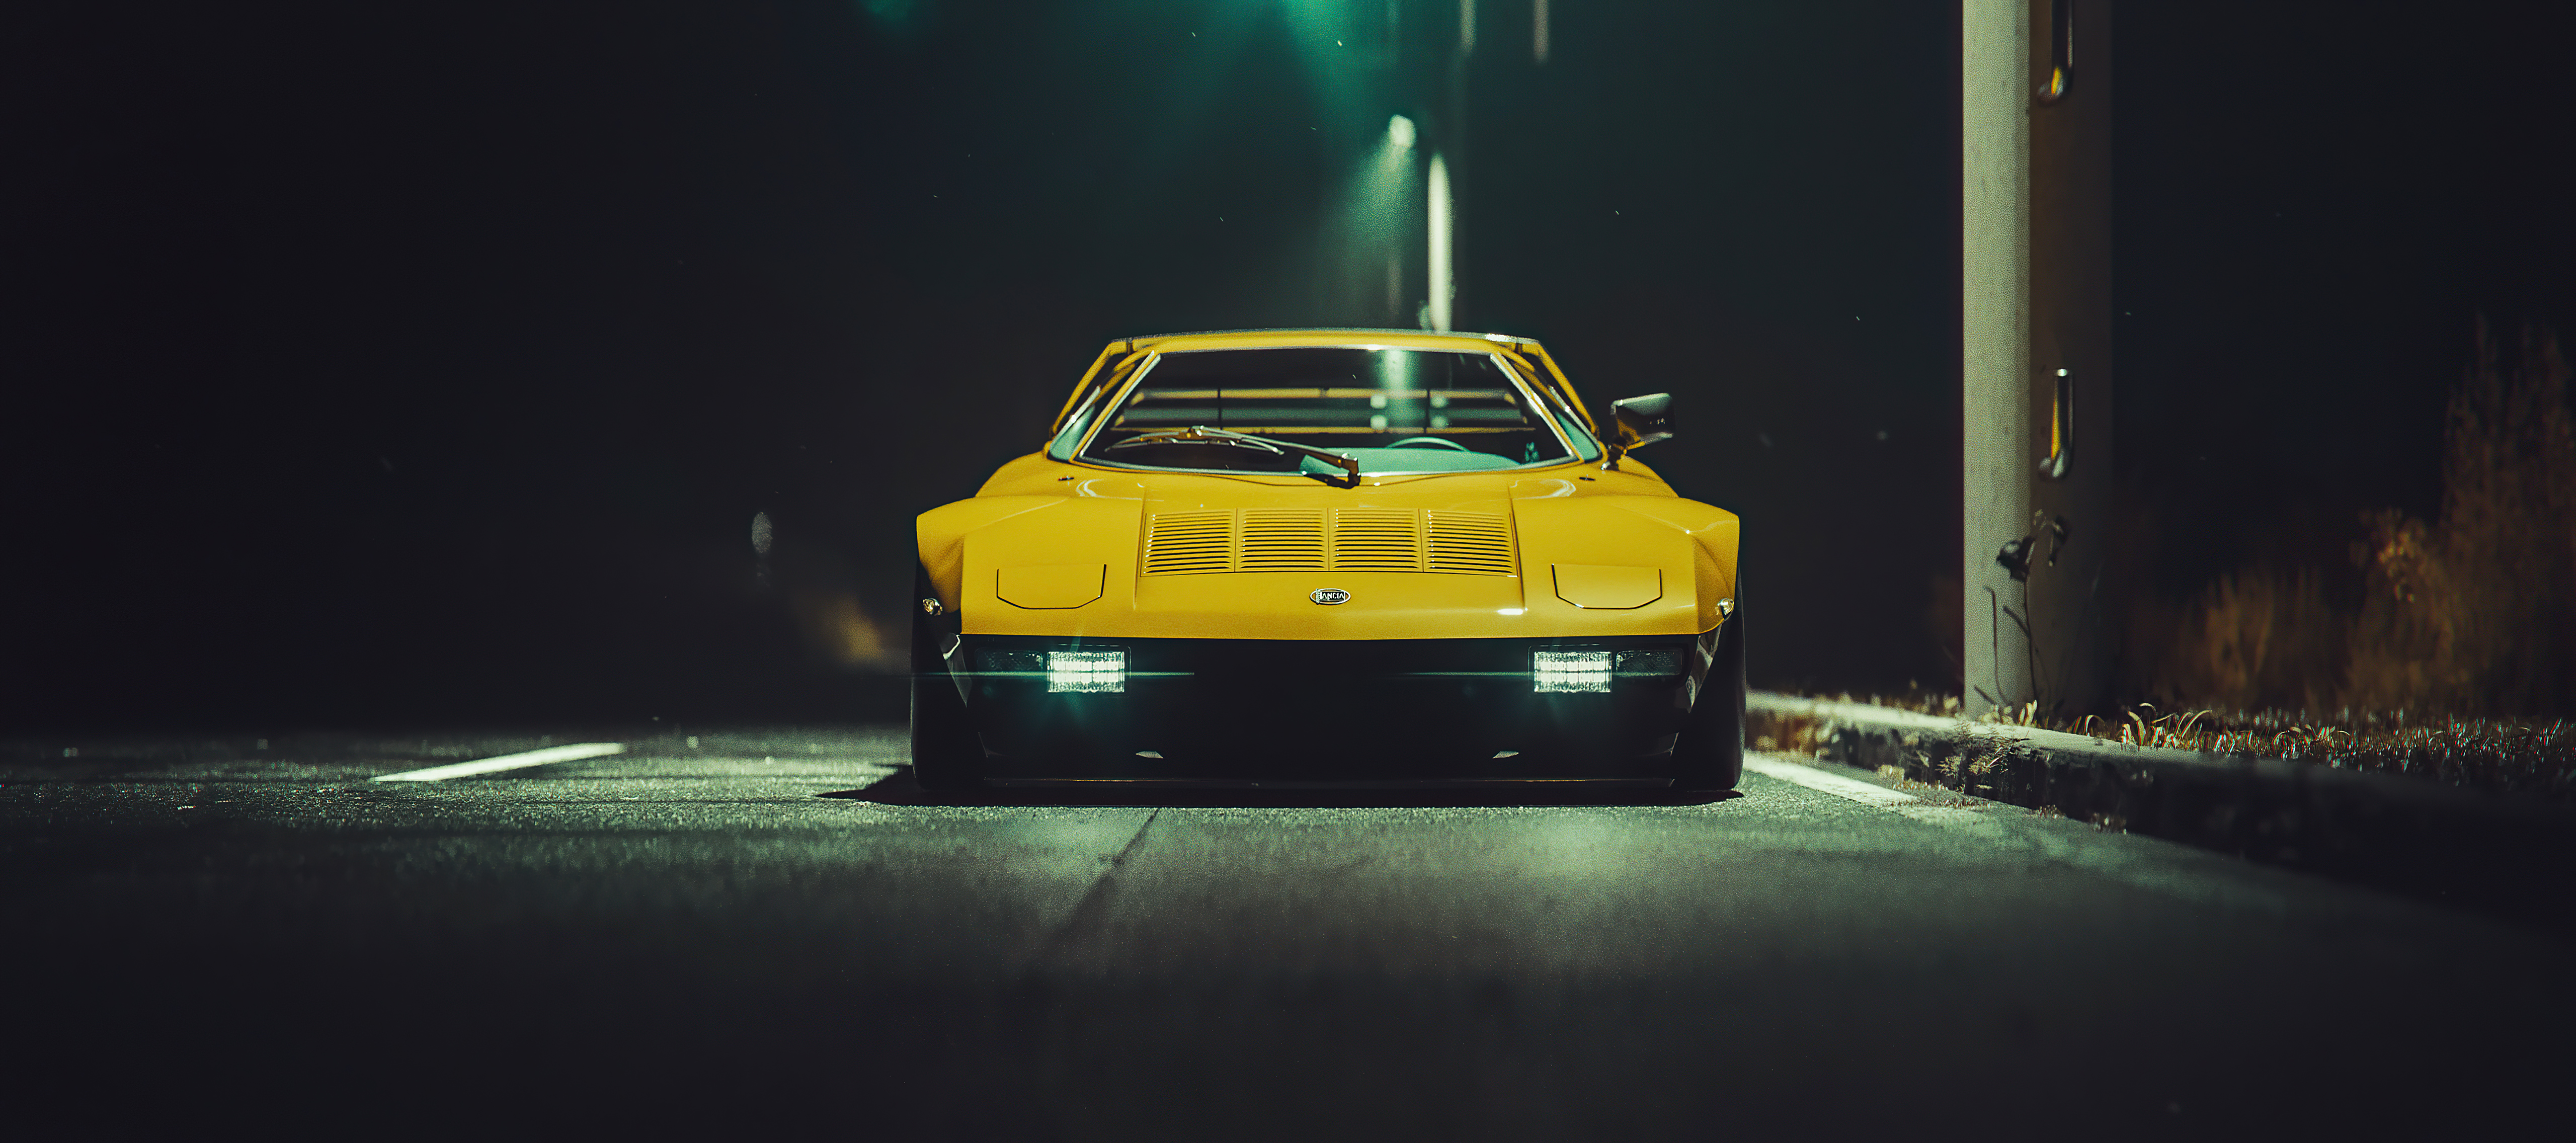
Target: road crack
1095	901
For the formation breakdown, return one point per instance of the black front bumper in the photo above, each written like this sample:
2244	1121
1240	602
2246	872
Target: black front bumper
1324	710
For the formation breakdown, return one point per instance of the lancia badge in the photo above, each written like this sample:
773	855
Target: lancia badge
1329	596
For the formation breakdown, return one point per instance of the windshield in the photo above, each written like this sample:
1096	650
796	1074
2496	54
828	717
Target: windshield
1392	410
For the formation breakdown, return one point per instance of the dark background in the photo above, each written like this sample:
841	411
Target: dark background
373	364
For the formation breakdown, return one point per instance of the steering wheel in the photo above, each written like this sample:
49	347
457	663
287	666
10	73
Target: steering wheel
1443	442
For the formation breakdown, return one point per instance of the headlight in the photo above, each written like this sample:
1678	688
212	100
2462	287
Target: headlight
1570	672
1074	672
1086	672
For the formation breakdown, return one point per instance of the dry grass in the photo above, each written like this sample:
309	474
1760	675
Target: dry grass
2488	754
1782	733
2469	614
2257	638
2455	661
2460	653
2536	760
2472	613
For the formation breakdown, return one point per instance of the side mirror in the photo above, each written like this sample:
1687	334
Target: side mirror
1642	420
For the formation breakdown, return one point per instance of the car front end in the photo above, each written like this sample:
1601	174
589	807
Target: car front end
1154	597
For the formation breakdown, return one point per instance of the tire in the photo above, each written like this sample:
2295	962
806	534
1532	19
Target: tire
1709	757
946	755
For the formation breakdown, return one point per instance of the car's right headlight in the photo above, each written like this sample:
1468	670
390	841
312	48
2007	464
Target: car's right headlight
1092	671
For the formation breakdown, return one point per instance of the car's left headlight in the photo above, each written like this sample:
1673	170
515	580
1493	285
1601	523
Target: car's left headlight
1086	672
1570	672
1591	672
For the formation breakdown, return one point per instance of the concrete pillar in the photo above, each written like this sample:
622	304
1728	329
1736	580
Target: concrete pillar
2035	373
1994	328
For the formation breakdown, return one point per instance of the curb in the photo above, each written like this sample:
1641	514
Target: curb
2443	843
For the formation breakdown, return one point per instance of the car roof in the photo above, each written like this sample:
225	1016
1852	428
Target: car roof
1283	338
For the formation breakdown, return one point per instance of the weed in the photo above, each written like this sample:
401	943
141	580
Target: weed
2501	756
2178	731
2027	714
2535	760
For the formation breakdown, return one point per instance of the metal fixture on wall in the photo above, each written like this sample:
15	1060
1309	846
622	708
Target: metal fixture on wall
2061	429
2061	51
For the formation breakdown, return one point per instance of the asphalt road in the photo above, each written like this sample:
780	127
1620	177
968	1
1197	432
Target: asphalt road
777	932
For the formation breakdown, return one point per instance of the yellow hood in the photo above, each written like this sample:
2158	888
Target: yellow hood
1052	549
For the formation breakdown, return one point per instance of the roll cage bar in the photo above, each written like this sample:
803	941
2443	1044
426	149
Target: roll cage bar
1520	350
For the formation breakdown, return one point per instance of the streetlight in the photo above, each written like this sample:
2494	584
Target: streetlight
1442	292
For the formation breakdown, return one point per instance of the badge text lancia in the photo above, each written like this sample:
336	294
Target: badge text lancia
1329	596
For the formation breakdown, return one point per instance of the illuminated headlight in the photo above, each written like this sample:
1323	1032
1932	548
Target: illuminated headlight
1575	672
1086	672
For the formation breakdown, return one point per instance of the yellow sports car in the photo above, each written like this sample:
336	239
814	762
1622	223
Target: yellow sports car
1330	555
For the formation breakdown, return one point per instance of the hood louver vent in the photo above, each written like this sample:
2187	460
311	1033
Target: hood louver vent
1283	539
1180	542
1357	539
1473	543
1377	539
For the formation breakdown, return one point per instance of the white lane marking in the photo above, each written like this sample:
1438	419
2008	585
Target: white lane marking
1835	784
1905	805
567	753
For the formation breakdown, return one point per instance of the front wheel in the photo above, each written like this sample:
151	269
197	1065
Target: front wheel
946	755
1709	757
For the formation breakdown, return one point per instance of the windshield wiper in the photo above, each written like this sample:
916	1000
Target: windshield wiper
1330	467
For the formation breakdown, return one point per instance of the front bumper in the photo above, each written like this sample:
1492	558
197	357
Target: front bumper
1327	709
